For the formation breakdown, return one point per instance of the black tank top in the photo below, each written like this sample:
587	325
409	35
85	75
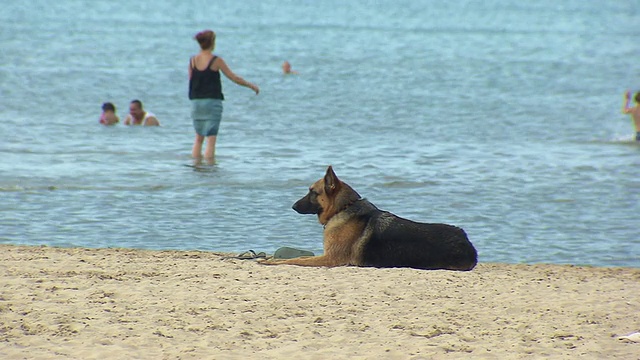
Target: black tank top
205	84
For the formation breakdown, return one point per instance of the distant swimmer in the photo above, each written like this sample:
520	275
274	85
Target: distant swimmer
286	68
109	116
137	115
633	111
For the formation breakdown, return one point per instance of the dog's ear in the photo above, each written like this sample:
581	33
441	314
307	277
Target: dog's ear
331	181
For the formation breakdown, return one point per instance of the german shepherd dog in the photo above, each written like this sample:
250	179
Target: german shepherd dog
358	233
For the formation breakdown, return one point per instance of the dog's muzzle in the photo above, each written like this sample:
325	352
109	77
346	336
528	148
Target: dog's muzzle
305	206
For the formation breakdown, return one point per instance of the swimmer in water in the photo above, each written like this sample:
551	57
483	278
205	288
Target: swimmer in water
633	111
138	116
109	116
286	68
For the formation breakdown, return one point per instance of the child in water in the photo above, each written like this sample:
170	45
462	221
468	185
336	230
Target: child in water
633	111
109	116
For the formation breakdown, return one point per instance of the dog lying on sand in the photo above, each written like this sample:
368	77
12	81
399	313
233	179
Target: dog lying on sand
358	233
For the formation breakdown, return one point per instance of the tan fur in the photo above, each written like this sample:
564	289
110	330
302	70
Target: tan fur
340	238
325	202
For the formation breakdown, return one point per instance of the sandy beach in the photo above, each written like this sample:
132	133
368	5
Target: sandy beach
74	303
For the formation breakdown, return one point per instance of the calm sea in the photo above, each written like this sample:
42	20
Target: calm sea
502	117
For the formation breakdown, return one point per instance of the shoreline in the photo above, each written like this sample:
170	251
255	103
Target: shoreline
93	303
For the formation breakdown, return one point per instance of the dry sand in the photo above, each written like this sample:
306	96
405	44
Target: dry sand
132	304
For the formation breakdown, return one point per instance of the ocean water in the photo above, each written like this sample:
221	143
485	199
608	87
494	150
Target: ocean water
501	117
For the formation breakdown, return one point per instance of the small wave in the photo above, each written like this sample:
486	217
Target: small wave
39	188
563	200
622	139
399	184
626	139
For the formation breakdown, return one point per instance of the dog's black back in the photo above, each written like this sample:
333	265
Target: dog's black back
397	242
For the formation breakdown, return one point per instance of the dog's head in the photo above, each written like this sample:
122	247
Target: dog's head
327	197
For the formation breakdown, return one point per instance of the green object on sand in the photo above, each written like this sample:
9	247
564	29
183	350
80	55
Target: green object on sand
290	253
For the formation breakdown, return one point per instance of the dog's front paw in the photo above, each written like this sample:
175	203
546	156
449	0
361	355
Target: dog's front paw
270	262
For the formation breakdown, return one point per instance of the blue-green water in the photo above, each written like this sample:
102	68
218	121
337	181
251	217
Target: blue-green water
502	117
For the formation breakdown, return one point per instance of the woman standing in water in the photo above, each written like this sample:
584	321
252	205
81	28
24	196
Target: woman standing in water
205	93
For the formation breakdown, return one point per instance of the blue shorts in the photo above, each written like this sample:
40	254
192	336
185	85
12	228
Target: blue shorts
638	136
206	115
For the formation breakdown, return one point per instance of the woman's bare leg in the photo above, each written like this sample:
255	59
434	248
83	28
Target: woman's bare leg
196	152
210	151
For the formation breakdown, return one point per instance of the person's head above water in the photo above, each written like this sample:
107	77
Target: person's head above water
286	68
108	107
136	110
206	39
